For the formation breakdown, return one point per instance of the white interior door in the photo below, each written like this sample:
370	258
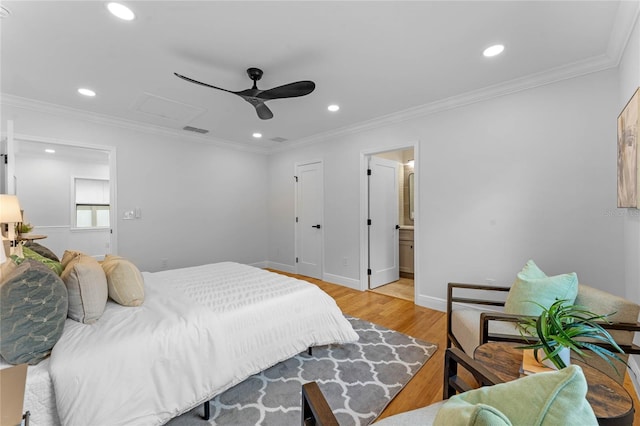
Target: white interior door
383	226
8	149
309	230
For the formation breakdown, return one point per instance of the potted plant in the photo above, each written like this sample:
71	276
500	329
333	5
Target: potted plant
23	228
564	327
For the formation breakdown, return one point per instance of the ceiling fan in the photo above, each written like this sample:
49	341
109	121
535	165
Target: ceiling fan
257	97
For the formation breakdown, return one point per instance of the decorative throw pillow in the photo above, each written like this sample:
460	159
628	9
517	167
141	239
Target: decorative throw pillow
533	285
124	280
41	250
68	256
33	309
54	265
87	287
554	398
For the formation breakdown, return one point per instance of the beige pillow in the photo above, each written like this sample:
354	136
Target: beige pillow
124	280
87	287
68	256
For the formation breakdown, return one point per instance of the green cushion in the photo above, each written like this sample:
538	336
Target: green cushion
33	310
49	263
457	412
554	398
533	285
41	250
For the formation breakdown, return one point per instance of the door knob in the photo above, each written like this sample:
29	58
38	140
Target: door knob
397	226
315	226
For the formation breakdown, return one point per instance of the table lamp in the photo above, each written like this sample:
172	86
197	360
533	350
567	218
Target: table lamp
10	214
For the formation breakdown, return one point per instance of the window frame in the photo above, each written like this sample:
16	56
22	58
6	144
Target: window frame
74	206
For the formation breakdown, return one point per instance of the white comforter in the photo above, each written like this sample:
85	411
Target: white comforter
200	331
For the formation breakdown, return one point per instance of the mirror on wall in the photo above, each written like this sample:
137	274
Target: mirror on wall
65	192
411	208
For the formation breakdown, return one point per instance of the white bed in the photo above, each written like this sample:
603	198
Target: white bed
200	331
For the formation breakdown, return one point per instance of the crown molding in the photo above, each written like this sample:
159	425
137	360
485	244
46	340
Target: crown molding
627	15
626	18
67	112
565	72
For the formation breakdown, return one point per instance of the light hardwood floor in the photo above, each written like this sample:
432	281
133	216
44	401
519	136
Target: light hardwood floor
403	288
426	324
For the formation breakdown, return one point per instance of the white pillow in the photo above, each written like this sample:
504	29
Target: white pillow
87	287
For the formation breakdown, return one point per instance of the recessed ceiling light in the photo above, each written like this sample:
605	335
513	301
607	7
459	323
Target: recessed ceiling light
50	151
257	135
333	107
121	11
86	92
494	50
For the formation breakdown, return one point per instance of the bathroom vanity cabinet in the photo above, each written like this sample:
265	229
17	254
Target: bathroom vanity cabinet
406	249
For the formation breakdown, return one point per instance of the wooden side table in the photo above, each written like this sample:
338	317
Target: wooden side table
610	401
30	237
12	384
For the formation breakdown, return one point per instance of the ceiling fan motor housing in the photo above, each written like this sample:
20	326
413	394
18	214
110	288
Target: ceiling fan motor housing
255	74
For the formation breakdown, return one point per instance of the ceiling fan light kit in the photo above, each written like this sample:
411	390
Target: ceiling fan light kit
257	97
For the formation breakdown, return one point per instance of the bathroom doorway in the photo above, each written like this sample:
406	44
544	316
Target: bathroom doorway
403	286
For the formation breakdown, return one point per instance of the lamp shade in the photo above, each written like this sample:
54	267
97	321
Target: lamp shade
10	209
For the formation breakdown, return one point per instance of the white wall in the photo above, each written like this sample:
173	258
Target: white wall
527	175
629	78
200	203
44	187
630	81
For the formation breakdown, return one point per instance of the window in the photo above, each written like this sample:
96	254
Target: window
92	206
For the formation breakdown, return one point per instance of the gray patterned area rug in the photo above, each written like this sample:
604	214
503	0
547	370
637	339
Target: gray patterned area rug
358	379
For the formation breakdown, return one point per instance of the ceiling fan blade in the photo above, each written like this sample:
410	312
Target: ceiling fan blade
291	90
201	83
263	111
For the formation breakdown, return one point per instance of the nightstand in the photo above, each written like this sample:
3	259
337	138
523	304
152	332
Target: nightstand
12	384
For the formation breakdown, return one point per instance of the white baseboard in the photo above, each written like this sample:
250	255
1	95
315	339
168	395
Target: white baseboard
337	279
330	278
430	302
280	267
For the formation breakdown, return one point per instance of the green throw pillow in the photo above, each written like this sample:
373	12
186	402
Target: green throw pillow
49	263
533	285
41	250
554	398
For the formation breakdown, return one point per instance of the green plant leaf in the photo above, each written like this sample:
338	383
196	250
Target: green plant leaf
571	326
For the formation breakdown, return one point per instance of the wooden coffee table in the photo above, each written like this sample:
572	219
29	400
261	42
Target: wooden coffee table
611	403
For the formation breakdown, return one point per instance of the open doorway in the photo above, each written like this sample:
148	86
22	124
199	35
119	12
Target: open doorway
390	216
67	192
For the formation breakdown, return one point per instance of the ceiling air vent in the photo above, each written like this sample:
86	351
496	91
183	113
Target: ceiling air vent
195	129
4	12
278	139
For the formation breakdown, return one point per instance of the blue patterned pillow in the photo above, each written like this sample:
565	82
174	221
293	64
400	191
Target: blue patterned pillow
33	309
